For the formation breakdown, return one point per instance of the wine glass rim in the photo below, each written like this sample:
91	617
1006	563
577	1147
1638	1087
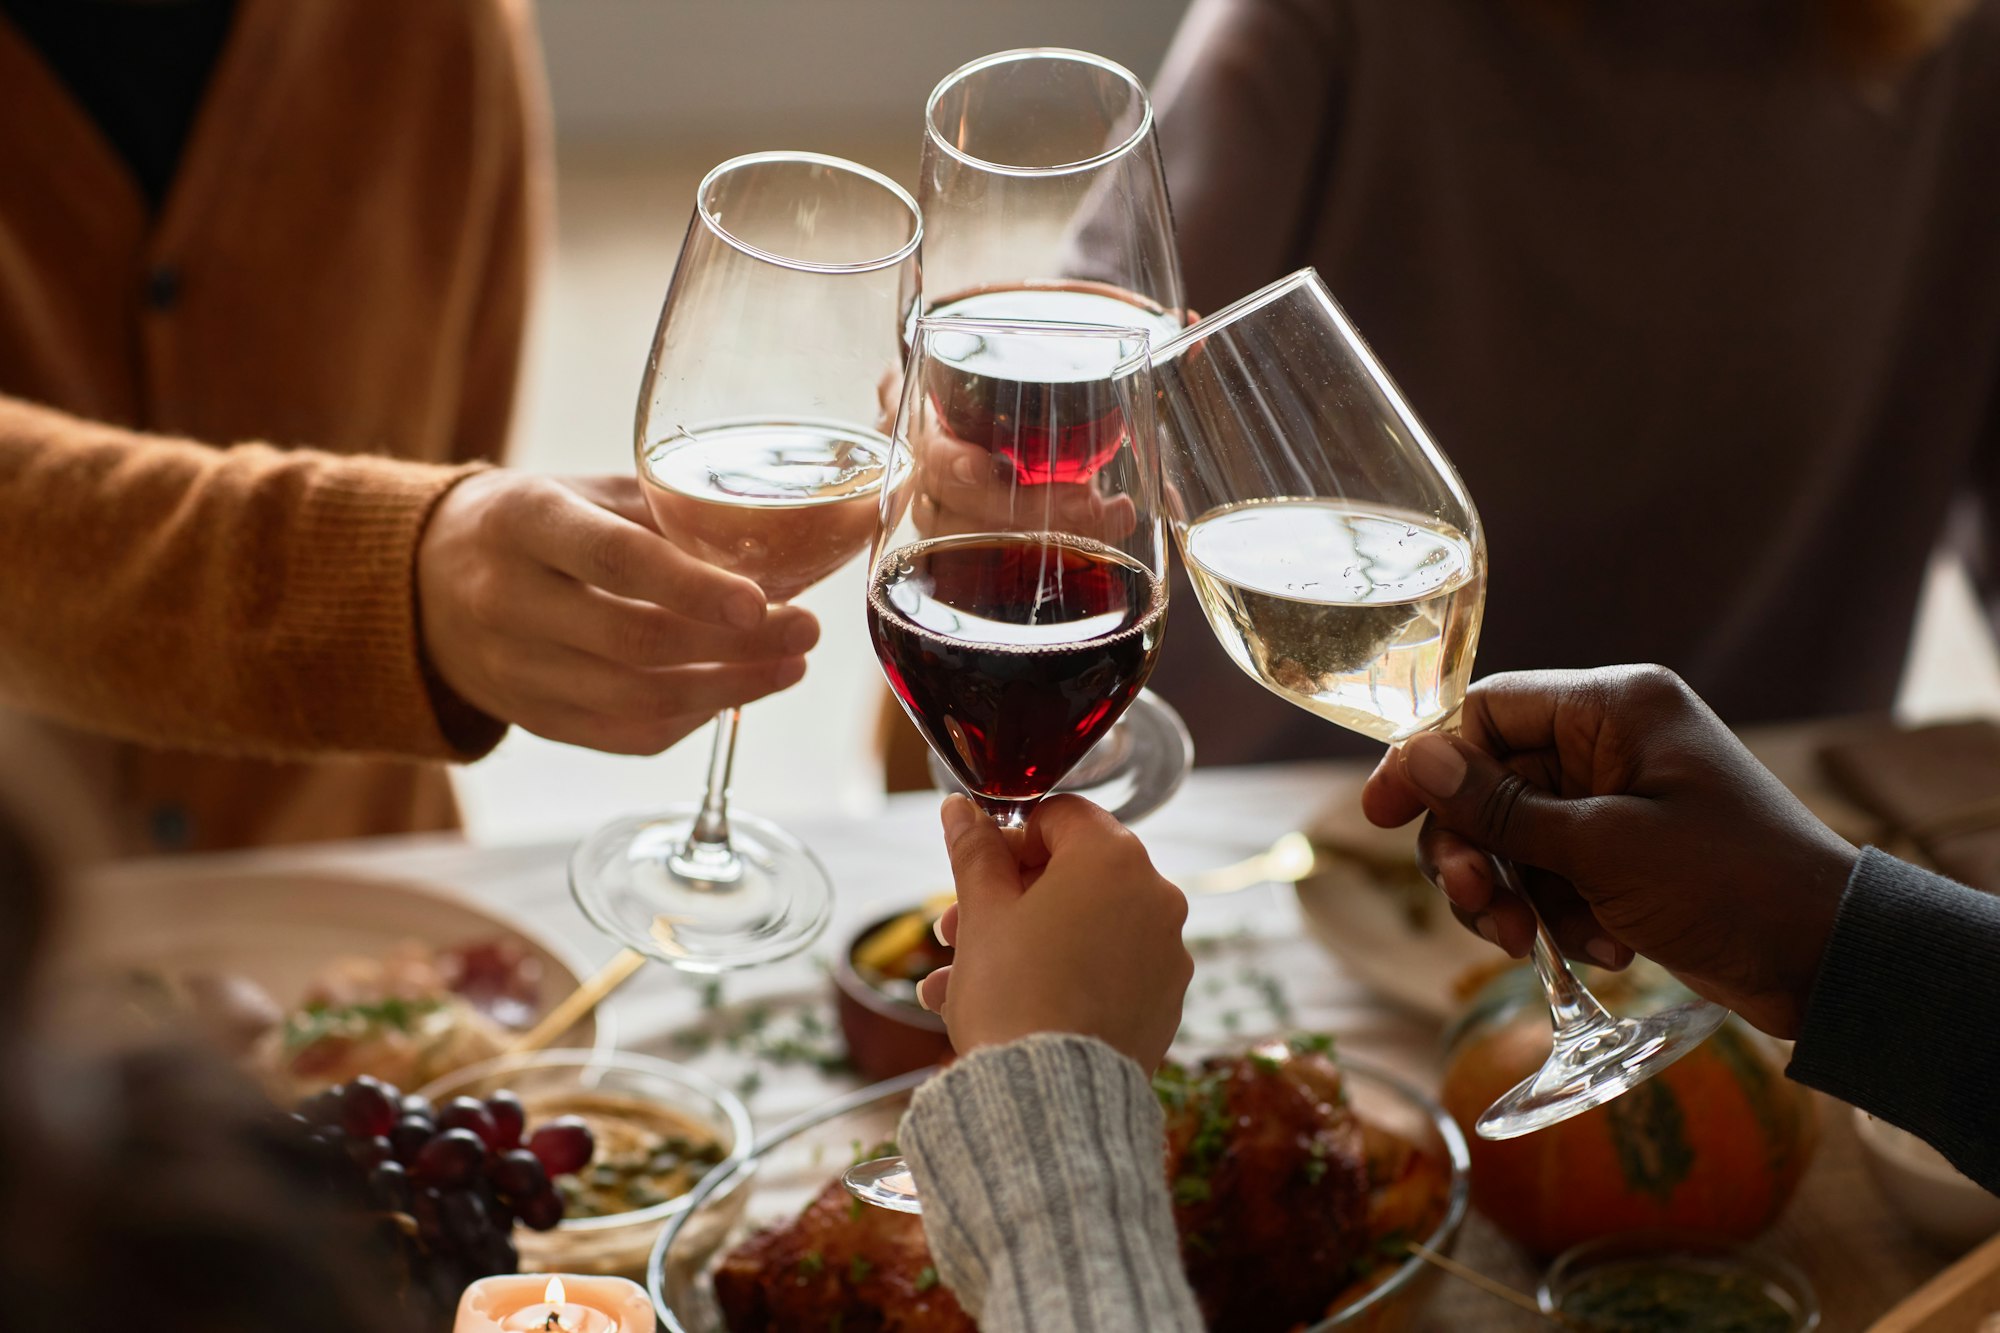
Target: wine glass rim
1243	305
1062	53
1037	328
875	265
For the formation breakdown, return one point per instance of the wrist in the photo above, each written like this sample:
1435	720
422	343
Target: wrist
1802	931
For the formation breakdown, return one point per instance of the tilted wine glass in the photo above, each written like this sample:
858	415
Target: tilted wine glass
761	451
1044	199
1016	622
1341	564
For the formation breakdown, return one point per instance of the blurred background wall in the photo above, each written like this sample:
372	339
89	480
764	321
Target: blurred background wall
648	95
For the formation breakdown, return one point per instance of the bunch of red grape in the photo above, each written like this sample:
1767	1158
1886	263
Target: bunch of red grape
449	1182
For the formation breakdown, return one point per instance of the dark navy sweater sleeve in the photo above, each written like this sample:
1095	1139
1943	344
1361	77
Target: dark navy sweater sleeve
1904	1020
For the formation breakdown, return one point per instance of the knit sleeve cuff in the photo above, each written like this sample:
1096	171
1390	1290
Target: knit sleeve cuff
354	565
1042	1169
1902	1021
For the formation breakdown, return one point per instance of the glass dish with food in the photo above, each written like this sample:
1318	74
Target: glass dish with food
660	1131
1676	1282
1303	1229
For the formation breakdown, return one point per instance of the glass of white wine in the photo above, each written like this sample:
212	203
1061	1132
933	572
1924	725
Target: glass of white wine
1341	563
761	449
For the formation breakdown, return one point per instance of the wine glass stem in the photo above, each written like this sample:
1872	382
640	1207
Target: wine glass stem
1572	1004
707	855
1007	814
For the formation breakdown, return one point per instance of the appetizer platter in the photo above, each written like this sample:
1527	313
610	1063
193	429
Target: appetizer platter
1298	1182
312	980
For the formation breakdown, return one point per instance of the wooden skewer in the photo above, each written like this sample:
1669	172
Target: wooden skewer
1492	1288
580	1002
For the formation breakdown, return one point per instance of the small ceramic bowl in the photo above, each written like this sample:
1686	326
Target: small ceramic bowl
1658	1255
1937	1202
886	1036
617	1243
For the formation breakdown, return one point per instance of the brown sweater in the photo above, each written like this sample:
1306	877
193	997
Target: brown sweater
1712	331
343	262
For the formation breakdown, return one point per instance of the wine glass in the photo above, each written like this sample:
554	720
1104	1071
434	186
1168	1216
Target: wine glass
1015	635
1044	200
760	451
1341	564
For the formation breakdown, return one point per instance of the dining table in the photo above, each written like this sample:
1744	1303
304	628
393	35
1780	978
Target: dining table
770	1033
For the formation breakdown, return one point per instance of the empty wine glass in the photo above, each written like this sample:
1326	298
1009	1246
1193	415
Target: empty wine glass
1044	200
760	449
1341	564
1016	623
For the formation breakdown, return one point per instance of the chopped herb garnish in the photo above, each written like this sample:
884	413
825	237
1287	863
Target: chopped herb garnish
858	1269
926	1278
1192	1189
812	1263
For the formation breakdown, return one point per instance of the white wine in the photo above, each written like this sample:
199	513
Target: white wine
1367	616
782	502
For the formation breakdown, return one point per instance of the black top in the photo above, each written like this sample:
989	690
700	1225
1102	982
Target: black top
139	67
1904	1021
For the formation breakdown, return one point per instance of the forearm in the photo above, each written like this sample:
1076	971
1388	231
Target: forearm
1904	1019
1045	1201
246	600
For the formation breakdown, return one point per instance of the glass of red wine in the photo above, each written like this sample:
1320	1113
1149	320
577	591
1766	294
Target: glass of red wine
1016	622
1044	200
761	448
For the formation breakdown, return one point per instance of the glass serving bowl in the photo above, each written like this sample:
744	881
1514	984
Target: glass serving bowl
797	1160
1668	1255
617	1243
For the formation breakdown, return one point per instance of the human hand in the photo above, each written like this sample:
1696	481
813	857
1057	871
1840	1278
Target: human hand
554	604
1066	929
1640	824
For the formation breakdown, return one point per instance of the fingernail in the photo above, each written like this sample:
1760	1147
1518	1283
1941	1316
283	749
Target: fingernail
937	929
803	634
744	612
957	815
964	471
1489	930
1603	950
922	1003
1435	765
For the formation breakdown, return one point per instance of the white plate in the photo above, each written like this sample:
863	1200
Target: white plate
281	930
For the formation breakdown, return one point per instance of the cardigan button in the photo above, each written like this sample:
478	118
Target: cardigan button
163	287
170	828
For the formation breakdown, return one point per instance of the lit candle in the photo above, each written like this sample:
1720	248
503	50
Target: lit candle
533	1303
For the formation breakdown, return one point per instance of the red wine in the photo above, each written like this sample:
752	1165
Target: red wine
1049	407
1014	655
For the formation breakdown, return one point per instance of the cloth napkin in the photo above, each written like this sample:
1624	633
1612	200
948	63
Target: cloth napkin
1936	787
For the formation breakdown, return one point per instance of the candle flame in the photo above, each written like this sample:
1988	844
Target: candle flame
553	1294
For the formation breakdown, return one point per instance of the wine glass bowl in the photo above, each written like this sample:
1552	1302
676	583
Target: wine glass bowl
1015	621
1340	562
760	447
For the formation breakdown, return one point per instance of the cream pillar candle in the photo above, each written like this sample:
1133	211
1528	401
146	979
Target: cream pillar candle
563	1303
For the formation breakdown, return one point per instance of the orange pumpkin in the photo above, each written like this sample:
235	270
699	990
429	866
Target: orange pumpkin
1716	1143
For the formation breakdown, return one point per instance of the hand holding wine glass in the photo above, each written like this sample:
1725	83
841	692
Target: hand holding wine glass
759	452
1341	564
1640	822
1015	648
1075	894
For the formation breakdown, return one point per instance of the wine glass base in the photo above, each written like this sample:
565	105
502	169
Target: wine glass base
1133	771
885	1182
696	908
1597	1063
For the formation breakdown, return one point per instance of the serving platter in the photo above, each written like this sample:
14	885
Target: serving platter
282	929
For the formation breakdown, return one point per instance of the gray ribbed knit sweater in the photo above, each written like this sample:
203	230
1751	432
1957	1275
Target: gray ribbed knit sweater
1040	1162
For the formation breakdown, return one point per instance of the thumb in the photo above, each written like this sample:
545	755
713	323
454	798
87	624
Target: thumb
982	864
1476	797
